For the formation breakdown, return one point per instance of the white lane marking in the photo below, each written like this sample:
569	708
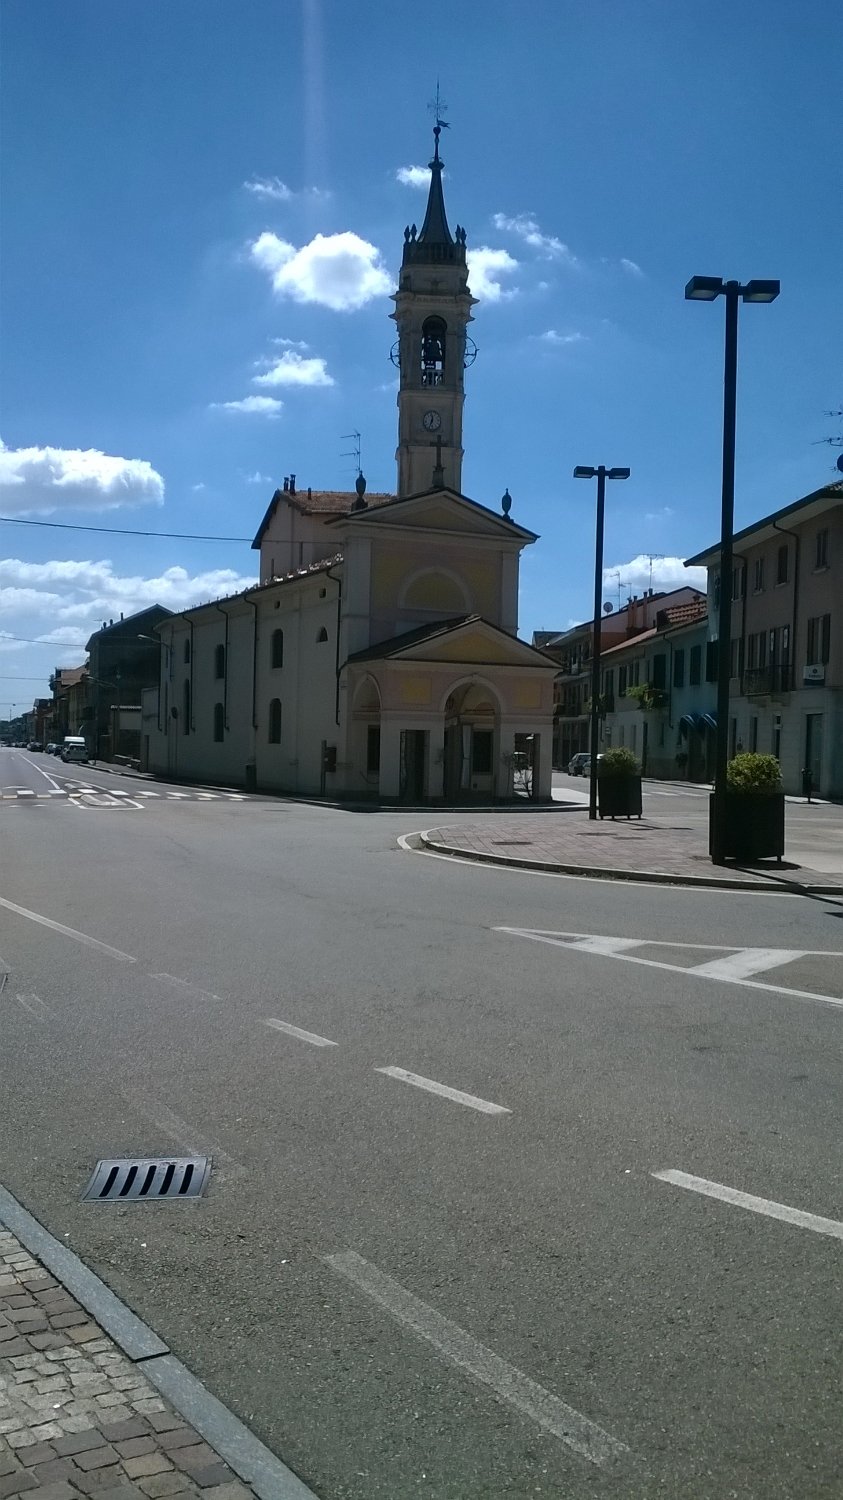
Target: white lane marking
185	984
766	1206
41	772
303	1036
467	1353
26	792
748	961
178	796
37	1007
570	941
147	794
432	1087
402	840
195	1143
71	932
116	791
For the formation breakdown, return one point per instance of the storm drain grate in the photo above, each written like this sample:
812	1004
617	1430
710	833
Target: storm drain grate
148	1179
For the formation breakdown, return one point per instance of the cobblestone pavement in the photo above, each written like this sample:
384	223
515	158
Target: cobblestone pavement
568	840
79	1419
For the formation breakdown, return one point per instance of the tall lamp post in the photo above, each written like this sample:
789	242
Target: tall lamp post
706	289
601	474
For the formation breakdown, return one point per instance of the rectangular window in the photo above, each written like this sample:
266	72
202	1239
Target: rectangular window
752	652
781	564
373	749
819	639
762	648
774	647
822	548
679	669
753	734
695	666
481	752
758	575
621	681
635	674
733	738
660	671
734	657
609	683
785	652
711	661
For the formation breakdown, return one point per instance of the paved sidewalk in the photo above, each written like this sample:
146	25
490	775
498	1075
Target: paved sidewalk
77	1418
638	849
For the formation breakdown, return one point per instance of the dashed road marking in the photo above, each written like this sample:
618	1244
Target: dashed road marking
766	1206
467	1353
296	1031
71	932
457	1095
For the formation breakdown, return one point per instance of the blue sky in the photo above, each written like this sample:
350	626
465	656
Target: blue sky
170	312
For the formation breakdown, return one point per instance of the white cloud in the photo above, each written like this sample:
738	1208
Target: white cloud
42	480
256	406
258	478
485	267
196	488
550	336
340	271
631	266
527	229
660	515
291	344
293	369
668	573
271	188
90	592
417	177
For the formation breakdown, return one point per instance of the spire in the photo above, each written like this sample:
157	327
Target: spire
434	242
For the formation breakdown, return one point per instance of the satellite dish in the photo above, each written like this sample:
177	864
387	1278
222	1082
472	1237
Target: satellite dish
840	462
608	607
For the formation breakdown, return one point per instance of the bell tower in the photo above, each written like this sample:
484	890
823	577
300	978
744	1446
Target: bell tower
432	311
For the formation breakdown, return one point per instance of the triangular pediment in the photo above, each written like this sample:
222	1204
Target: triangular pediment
473	640
438	510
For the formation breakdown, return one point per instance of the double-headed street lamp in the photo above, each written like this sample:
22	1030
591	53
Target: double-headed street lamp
601	474
706	289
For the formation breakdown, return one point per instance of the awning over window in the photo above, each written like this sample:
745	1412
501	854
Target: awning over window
709	720
688	722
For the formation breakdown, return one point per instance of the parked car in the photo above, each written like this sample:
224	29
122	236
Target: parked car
33	745
50	749
578	764
74	749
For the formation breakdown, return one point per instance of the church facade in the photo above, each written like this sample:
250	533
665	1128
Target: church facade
378	655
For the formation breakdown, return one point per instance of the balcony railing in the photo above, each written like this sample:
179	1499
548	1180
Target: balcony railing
767	681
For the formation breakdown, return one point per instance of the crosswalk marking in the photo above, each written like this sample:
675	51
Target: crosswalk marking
112	796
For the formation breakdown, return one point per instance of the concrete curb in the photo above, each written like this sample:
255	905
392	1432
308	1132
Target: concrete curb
645	877
256	1464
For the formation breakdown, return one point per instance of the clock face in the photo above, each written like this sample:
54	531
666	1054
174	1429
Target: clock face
431	421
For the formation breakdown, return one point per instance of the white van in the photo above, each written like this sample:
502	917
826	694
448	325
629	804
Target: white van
74	749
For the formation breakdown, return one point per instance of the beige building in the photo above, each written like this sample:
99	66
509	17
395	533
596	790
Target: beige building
786	685
378	655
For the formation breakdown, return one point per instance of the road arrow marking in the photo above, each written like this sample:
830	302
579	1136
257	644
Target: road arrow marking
733	966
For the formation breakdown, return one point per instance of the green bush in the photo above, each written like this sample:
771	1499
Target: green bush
618	762
754	773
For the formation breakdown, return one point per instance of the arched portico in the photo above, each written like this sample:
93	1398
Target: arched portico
471	712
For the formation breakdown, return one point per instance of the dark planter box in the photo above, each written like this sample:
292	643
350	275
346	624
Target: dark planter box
619	796
754	825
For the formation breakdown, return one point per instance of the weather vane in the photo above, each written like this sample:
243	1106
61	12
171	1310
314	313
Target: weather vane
438	107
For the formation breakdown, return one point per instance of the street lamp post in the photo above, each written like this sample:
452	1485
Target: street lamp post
706	289
601	474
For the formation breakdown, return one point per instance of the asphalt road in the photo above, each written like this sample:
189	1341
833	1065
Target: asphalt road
406	1292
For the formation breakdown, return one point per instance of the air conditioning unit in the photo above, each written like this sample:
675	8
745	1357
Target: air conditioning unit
815	673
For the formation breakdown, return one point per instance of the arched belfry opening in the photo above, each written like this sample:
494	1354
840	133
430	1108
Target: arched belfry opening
434	335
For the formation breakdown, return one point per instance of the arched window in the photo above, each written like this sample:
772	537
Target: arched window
186	649
219	723
219	661
322	634
434	331
185	724
277	648
275	722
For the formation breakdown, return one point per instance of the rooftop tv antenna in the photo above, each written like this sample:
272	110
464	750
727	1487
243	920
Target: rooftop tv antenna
651	558
616	573
353	437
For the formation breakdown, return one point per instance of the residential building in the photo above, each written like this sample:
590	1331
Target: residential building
786	651
572	649
378	655
70	696
657	700
124	660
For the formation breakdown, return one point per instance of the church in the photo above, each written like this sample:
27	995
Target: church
378	656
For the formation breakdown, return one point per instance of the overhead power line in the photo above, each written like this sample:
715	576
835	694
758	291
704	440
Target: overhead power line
40	641
179	536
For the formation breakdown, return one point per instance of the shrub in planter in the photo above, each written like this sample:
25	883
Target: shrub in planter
754	808
618	785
